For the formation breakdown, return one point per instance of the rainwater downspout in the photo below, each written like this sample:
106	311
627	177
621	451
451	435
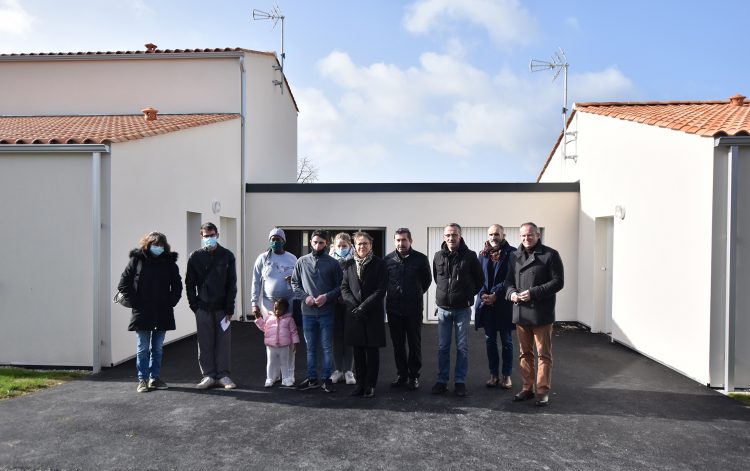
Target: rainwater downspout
96	243
243	111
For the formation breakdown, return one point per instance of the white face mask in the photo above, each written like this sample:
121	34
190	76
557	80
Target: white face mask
209	242
343	251
156	250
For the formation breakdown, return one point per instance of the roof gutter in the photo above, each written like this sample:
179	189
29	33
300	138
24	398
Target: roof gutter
41	148
733	144
109	57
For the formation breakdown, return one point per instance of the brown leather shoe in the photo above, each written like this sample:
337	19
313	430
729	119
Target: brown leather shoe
542	400
506	383
492	382
523	395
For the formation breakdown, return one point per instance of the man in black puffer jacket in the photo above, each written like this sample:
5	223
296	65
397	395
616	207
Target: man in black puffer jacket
408	279
458	277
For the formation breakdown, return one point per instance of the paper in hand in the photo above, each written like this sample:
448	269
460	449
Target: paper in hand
224	323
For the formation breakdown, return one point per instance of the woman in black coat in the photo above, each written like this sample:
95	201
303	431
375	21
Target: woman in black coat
151	283
363	289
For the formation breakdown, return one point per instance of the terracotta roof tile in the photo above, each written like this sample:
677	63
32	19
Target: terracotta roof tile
705	118
100	129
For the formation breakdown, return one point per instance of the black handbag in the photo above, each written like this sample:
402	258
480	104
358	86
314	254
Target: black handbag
119	297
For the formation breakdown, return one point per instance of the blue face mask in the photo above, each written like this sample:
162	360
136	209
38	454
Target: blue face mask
343	252
277	245
156	250
209	242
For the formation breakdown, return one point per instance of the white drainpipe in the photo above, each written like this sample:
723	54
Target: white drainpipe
96	243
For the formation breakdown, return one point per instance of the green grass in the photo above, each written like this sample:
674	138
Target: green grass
742	397
18	381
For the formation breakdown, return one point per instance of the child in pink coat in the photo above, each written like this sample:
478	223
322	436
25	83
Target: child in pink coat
280	332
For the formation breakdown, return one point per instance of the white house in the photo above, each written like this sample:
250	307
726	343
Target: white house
663	259
83	174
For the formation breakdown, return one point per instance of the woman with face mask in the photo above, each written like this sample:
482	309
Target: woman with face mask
152	284
341	250
363	288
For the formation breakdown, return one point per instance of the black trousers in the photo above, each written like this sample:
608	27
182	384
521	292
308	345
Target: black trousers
367	365
407	330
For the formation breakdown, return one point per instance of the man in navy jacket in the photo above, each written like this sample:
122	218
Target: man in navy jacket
491	310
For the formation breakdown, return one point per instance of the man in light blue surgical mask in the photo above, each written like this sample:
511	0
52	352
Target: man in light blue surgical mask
211	283
272	275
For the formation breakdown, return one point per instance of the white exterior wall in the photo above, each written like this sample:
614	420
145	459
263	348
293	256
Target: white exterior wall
557	212
119	86
662	248
155	182
271	125
46	277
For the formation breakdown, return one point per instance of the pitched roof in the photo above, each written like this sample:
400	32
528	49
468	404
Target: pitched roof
97	129
704	118
145	52
714	118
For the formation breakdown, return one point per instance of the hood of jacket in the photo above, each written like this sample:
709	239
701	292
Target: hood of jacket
139	254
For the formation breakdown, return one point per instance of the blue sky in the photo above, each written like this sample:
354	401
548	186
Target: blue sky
427	90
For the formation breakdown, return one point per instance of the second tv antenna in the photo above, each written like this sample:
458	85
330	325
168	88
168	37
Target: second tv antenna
559	63
275	16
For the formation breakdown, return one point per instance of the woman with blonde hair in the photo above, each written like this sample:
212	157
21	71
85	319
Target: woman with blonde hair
152	285
342	251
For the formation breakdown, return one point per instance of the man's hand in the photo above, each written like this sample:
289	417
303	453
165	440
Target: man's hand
523	296
309	300
256	312
228	317
489	299
321	300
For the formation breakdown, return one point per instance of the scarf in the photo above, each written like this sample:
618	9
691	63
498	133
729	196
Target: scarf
361	262
493	252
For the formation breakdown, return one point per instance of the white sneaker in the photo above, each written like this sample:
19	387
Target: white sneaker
269	383
350	379
336	376
206	382
287	383
226	383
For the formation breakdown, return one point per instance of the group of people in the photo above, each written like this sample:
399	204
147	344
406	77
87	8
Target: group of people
346	293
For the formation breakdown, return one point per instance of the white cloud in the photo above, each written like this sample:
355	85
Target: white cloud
14	20
506	21
607	85
443	110
573	23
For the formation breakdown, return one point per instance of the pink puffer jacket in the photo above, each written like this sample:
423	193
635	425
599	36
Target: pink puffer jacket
279	331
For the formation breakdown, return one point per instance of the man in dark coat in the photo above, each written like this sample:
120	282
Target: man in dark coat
491	310
211	283
409	278
363	289
535	275
458	278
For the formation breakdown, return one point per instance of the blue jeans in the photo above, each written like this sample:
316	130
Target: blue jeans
318	329
506	340
148	352
447	321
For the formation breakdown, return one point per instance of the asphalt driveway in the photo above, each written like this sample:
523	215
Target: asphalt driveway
611	408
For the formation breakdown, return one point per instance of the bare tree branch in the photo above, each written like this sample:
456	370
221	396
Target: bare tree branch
307	172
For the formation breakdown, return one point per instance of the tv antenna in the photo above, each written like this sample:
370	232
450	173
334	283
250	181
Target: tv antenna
559	63
275	16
